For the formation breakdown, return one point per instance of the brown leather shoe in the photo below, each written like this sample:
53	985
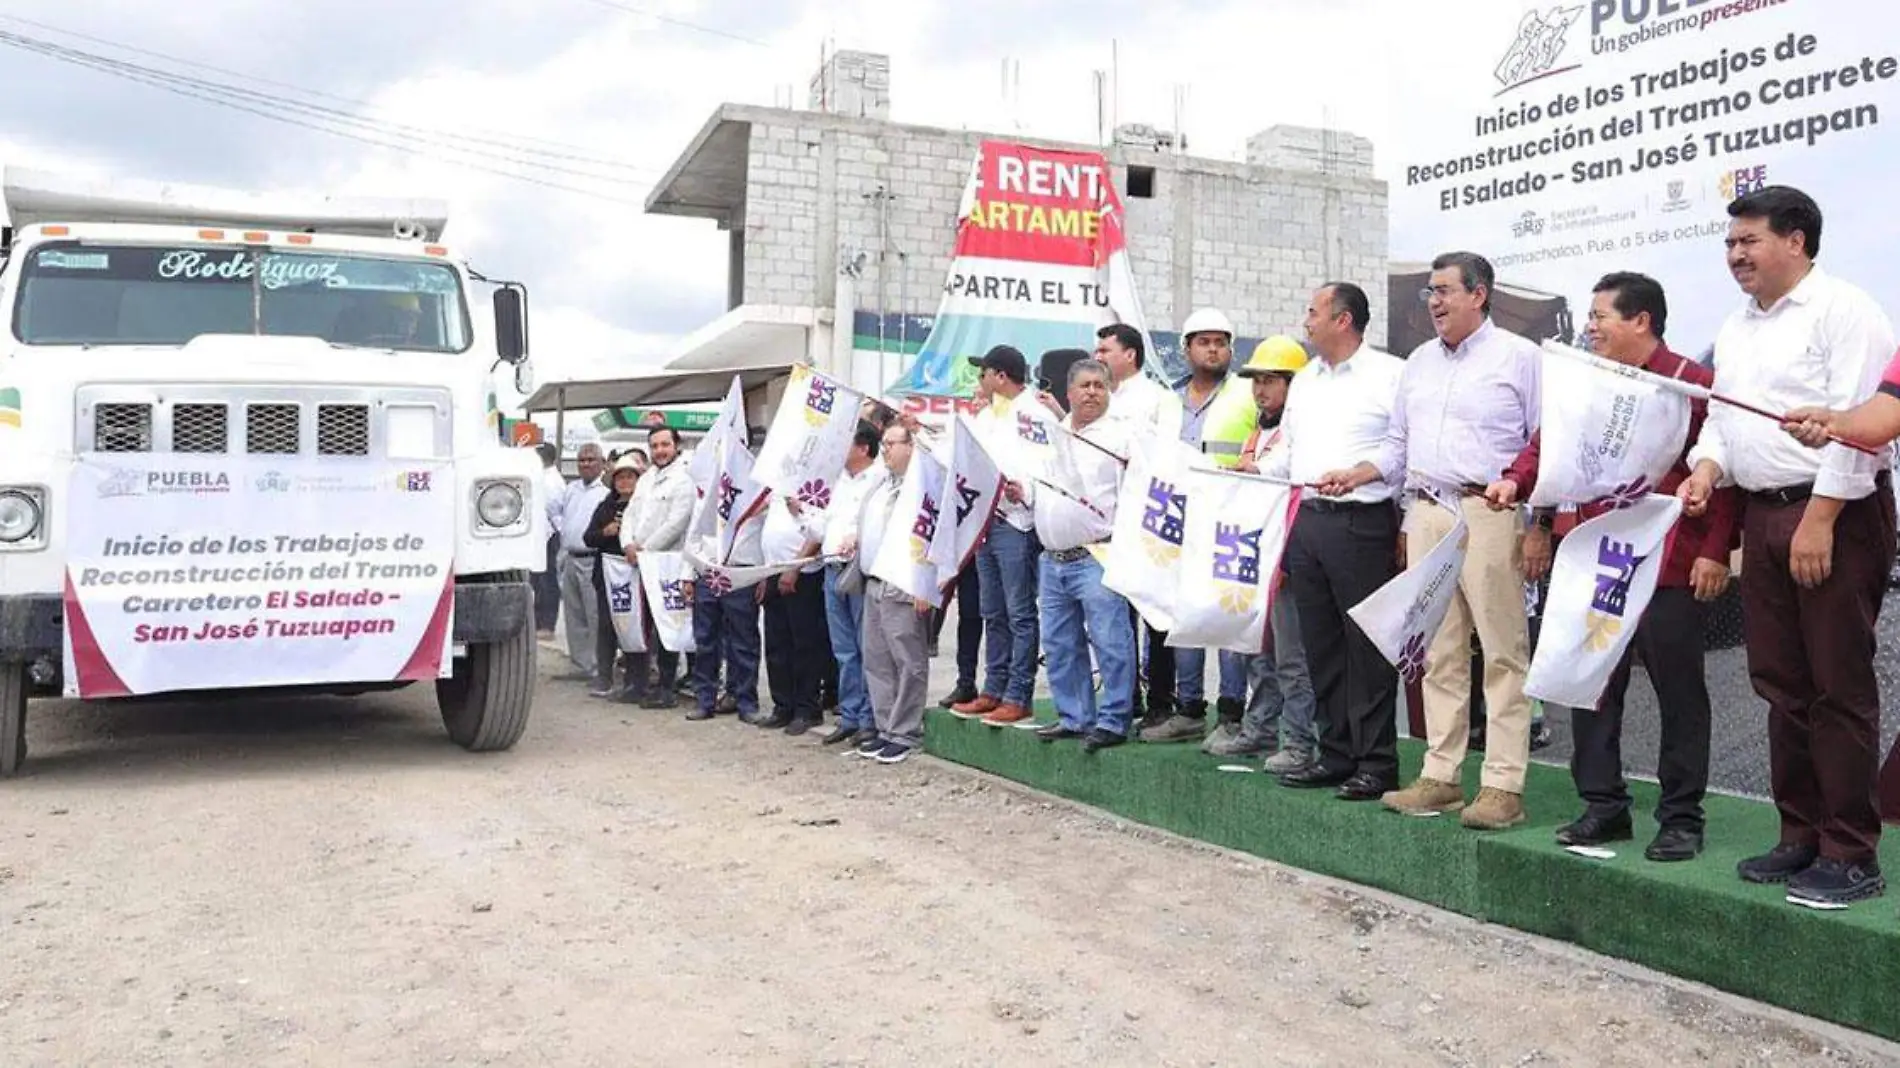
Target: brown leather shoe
976	709
1006	715
1425	797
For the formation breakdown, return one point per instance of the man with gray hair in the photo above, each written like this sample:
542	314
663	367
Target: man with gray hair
1078	612
579	606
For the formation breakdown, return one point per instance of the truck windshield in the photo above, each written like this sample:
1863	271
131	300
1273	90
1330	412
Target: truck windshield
77	293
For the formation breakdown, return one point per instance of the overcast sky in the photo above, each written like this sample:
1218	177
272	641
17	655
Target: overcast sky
573	83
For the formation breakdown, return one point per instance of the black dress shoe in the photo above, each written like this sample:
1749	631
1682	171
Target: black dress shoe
1675	843
777	721
1056	732
958	696
839	735
1592	830
1101	739
1316	777
1366	786
1831	883
799	726
1778	865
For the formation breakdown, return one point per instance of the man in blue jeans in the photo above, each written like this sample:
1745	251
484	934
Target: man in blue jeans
1080	614
1007	565
844	612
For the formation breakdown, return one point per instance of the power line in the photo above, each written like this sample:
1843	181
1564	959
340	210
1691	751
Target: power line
487	136
271	108
630	9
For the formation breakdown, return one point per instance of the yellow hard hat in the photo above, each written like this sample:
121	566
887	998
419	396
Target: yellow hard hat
1278	353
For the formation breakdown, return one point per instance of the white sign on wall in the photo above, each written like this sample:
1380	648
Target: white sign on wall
1565	139
207	572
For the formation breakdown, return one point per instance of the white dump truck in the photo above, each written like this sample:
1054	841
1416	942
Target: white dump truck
251	445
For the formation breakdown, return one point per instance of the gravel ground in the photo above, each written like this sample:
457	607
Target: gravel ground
329	881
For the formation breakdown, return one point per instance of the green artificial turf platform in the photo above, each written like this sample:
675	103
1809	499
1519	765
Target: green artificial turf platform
1695	920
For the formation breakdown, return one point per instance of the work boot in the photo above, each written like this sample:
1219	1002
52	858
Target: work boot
1160	710
1426	797
1287	761
1228	740
1188	725
1494	810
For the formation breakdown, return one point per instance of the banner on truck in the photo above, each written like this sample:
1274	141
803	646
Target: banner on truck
1041	263
1566	140
190	573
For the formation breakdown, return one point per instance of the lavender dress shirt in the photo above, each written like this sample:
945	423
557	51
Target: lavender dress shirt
1462	414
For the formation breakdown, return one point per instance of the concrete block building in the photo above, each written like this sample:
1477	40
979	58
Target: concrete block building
841	222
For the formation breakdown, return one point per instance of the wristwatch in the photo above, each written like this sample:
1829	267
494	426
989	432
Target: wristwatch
1545	518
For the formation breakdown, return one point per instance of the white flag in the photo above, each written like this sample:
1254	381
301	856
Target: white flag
1403	616
1601	580
903	554
1022	438
721	579
975	482
810	438
728	426
1607	429
737	499
1230	560
667	581
1144	550
623	602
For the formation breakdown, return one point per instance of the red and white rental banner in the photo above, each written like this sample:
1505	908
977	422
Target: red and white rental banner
188	573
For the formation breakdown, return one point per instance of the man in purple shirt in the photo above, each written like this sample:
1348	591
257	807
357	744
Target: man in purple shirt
1467	404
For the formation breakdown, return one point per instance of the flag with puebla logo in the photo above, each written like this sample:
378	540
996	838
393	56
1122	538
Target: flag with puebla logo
1041	263
1601	581
721	579
903	554
1403	616
973	485
729	425
1144	549
623	602
810	438
1230	560
667	581
729	497
1607	430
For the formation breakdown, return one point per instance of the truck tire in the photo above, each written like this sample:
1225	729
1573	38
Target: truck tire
13	688
485	703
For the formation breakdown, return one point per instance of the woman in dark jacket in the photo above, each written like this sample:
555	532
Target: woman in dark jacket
603	534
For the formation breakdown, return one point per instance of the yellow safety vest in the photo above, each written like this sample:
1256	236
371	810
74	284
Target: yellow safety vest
1231	420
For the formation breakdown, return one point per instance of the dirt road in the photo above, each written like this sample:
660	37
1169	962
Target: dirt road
330	882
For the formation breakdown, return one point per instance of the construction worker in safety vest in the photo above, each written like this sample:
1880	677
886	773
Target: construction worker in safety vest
1278	720
1217	417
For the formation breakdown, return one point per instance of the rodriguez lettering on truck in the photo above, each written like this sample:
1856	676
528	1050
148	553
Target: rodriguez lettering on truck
250	443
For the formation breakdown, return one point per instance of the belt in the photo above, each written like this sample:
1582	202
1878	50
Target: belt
1068	556
583	554
1782	495
1469	489
1325	506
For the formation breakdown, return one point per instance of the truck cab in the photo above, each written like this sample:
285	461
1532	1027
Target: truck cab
184	368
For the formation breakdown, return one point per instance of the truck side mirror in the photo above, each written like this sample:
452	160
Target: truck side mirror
511	323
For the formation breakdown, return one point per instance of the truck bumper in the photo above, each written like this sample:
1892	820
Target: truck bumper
31	626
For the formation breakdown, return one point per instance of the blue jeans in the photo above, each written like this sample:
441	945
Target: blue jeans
1008	572
1190	666
726	628
1280	708
844	618
1080	614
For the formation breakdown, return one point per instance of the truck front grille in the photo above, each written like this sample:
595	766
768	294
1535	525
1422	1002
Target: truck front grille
342	430
261	420
122	428
273	429
200	428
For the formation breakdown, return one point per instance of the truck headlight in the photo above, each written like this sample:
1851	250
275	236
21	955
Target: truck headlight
22	512
500	506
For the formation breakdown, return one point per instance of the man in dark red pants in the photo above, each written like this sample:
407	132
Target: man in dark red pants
1627	315
1817	538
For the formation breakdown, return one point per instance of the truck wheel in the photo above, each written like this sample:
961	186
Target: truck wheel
12	719
485	703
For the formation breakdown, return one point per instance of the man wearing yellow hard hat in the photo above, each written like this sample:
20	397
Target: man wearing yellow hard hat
1217	417
1278	716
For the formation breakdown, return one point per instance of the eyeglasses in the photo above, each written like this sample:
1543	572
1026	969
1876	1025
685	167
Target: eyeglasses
1425	295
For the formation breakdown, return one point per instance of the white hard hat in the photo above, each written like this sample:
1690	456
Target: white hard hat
1206	321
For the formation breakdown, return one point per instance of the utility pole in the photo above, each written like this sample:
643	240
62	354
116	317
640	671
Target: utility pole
883	197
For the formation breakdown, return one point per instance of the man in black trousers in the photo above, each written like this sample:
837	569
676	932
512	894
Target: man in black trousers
1345	542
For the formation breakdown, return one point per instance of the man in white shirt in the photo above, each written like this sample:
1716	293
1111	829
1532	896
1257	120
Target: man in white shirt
844	612
1344	544
577	562
797	649
1818	537
1078	612
656	521
896	625
1146	406
1006	565
547	584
